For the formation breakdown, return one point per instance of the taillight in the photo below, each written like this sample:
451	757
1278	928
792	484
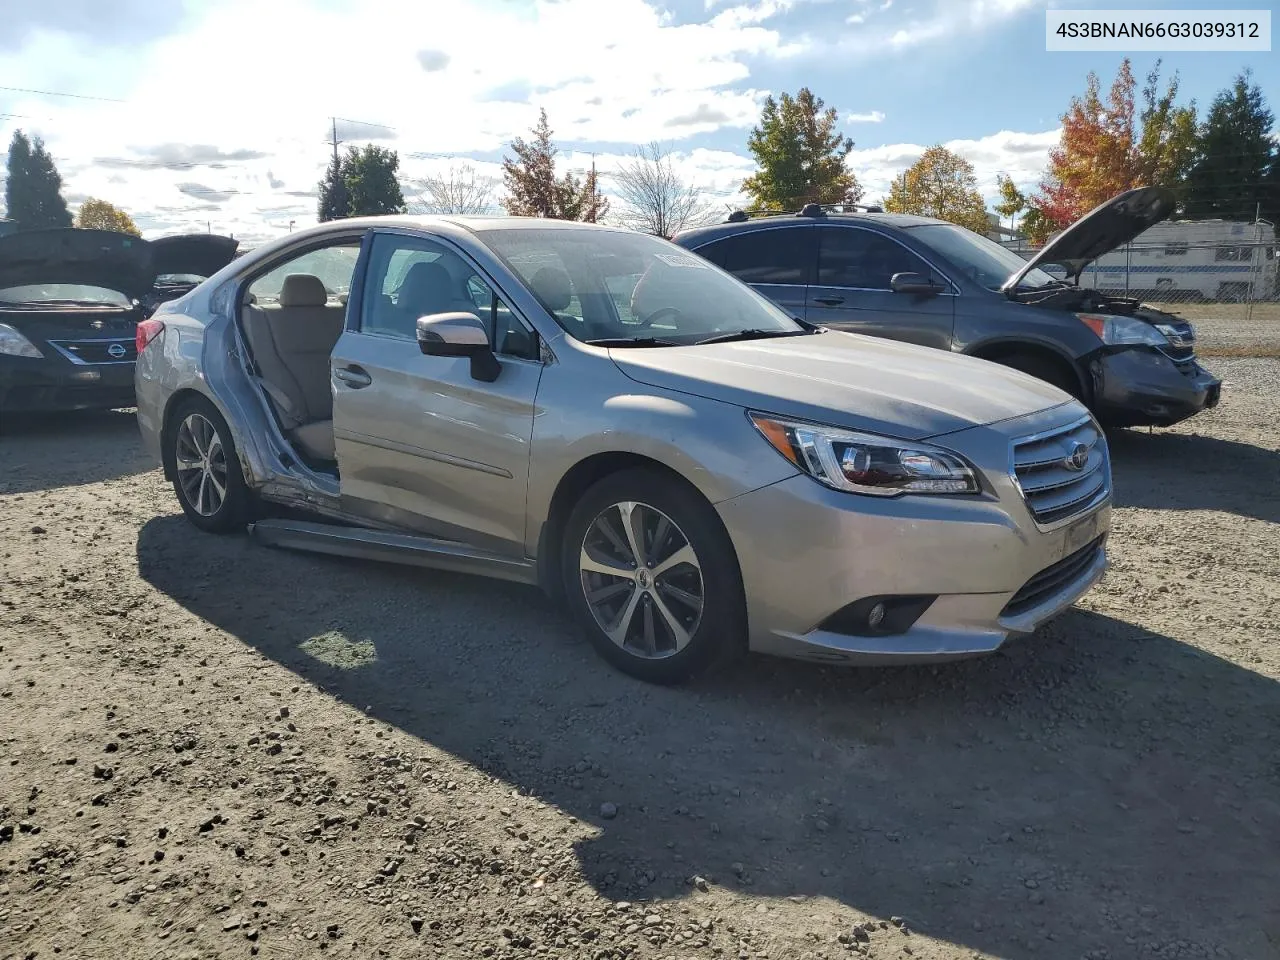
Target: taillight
148	330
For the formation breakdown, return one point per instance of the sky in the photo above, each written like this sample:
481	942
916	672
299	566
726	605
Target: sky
199	115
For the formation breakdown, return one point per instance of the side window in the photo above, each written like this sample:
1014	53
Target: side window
853	257
412	277
334	266
509	337
782	255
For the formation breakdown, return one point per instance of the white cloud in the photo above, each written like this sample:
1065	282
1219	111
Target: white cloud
1022	156
241	150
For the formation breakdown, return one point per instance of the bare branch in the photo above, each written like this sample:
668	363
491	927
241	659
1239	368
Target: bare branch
460	190
656	200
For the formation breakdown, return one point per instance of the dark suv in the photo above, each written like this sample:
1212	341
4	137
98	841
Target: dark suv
933	283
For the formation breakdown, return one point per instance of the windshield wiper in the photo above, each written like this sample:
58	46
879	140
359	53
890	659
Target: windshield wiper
633	342
751	335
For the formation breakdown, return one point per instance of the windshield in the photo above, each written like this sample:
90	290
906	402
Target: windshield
616	286
63	293
982	260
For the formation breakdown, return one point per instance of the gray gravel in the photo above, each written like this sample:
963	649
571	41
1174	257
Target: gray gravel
310	755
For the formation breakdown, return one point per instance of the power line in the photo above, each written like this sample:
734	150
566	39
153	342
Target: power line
54	93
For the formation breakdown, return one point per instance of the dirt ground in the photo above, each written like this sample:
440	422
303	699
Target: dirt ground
211	749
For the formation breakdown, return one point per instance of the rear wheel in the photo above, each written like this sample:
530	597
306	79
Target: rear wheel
207	478
651	576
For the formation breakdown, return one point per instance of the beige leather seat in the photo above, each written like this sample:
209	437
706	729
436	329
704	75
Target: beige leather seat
291	344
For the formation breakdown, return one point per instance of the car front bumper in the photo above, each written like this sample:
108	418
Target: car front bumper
50	384
807	552
1143	387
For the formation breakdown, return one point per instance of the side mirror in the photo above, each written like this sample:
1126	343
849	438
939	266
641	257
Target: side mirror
459	335
915	283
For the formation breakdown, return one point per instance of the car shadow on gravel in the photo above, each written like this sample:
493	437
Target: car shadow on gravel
1079	791
1187	471
46	451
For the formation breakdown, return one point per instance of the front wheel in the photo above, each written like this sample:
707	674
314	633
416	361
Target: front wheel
651	575
207	478
1056	374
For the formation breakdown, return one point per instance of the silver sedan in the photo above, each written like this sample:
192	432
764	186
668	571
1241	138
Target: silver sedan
601	413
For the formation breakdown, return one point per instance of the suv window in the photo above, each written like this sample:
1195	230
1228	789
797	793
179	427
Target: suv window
858	258
781	255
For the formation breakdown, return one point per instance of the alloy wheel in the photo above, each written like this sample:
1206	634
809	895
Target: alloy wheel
201	464
642	580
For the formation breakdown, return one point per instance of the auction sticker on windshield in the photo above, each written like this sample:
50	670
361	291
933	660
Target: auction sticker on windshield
675	260
1157	30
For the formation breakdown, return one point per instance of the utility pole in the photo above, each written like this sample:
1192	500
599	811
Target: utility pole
335	141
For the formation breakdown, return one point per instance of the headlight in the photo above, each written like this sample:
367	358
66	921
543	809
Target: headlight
15	344
1122	330
864	463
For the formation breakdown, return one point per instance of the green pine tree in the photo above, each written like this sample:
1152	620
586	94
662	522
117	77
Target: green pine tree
1235	155
33	193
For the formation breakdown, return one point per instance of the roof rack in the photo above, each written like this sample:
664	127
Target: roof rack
808	210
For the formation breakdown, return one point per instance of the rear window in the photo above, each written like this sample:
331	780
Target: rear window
780	255
76	293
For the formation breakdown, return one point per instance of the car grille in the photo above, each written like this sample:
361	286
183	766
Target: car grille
98	351
1052	579
1054	488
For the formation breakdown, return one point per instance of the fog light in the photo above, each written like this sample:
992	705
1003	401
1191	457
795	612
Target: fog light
878	616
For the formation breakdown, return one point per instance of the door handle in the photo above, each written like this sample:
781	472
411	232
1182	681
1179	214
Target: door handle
353	376
829	301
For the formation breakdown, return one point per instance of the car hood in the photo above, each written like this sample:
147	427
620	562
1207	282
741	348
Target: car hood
198	254
98	258
1101	230
847	380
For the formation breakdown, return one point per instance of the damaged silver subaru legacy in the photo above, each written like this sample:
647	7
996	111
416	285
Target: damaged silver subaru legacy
691	470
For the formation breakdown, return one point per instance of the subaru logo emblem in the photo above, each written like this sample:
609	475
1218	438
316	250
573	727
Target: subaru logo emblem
1078	458
116	351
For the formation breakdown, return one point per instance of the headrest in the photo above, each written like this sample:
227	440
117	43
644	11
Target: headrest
424	279
303	290
553	287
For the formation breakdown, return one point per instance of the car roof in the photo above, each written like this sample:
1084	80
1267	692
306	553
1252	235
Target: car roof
715	231
473	223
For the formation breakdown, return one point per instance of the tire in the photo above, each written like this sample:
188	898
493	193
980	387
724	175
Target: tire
1043	369
668	637
200	439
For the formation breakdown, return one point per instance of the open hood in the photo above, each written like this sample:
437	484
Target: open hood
1101	230
196	254
97	258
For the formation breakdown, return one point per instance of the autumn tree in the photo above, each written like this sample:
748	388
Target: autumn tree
1108	146
458	190
101	215
1166	147
1012	200
656	198
370	174
1230	178
534	191
33	191
1094	160
801	155
940	184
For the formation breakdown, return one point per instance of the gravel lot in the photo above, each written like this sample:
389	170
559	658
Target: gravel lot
210	749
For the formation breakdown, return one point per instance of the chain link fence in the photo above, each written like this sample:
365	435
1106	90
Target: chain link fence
1223	277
